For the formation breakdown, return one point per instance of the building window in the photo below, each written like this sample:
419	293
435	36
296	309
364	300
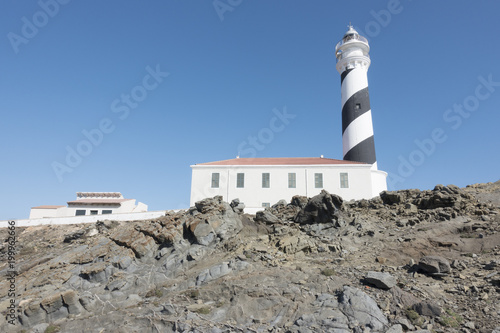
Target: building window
266	204
93	212
318	180
292	180
265	180
80	212
240	180
357	106
107	211
344	180
215	180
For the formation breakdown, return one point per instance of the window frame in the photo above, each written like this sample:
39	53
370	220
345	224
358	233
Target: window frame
292	180
240	180
78	212
215	183
266	180
318	180
344	180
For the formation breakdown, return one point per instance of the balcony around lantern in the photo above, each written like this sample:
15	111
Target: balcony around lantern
349	38
340	55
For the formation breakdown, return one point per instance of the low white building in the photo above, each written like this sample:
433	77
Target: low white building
261	182
90	203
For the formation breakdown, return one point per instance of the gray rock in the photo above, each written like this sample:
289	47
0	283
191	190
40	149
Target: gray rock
429	309
131	301
280	203
40	328
209	204
237	206
492	265
32	314
205	234
405	323
434	265
381	280
402	297
266	216
213	273
299	201
395	329
360	307
320	209
74	235
391	197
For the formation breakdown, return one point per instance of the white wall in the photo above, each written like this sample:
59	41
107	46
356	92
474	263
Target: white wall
87	219
361	182
379	182
38	213
125	207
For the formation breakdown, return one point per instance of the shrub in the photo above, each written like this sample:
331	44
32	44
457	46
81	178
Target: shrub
450	319
203	310
414	317
328	272
52	329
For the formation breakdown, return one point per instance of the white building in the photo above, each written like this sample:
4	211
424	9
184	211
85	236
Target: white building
261	182
90	203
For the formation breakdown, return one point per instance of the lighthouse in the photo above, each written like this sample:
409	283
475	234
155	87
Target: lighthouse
353	61
261	181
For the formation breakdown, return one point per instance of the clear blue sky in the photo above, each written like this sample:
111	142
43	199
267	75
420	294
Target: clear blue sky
69	68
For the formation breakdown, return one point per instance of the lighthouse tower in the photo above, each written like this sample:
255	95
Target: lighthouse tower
353	61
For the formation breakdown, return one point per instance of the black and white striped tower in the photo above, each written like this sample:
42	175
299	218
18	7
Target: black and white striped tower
353	61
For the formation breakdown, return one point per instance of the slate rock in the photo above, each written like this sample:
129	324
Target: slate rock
237	206
266	217
73	236
381	280
360	307
434	265
213	273
299	201
395	329
321	209
391	197
429	309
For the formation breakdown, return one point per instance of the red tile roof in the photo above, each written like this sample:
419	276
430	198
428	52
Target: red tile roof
280	161
47	207
98	201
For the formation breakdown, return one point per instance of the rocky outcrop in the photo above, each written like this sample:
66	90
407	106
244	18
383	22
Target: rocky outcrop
323	208
361	308
406	261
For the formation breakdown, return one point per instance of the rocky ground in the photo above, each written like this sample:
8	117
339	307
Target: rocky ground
409	260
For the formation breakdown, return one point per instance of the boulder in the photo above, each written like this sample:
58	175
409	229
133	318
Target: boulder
380	280
391	197
299	201
266	217
321	208
360	307
395	329
237	206
209	204
74	235
434	265
427	308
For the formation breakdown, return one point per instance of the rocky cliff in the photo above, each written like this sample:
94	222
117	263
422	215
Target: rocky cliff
405	261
